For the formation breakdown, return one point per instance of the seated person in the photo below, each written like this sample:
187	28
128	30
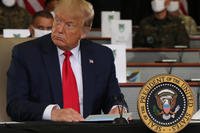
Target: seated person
189	23
161	30
61	76
12	16
41	24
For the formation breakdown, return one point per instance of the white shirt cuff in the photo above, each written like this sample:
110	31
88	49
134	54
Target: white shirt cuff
124	108
47	111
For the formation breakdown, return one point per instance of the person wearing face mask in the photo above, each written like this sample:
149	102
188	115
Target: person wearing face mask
12	16
161	30
189	22
41	24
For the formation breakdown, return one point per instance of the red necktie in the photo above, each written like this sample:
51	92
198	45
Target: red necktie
70	89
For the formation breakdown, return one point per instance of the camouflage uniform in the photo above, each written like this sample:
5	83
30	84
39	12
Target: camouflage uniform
189	23
165	33
14	17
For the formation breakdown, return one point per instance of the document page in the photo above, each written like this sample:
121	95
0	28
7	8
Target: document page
196	117
106	117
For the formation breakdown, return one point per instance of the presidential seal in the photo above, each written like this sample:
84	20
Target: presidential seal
166	103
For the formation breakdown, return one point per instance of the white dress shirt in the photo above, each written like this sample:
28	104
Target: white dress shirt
75	60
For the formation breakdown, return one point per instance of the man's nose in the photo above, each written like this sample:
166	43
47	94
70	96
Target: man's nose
61	27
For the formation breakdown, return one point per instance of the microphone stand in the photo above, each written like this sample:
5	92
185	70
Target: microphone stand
181	55
198	98
120	119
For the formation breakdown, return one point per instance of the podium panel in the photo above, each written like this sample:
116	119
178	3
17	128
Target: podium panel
185	72
195	41
187	55
158	56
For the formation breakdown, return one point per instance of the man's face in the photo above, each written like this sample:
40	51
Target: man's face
43	23
167	2
67	31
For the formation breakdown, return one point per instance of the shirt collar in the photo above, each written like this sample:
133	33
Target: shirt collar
75	51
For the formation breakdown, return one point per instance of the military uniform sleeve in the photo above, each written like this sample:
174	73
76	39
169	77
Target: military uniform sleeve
139	36
182	36
193	26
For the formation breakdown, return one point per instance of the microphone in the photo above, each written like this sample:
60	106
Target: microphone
180	55
120	101
170	69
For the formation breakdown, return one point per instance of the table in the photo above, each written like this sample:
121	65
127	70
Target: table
85	127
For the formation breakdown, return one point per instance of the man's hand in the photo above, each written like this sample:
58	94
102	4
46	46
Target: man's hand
67	115
114	110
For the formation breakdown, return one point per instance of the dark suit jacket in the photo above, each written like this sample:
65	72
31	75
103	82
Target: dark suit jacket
34	79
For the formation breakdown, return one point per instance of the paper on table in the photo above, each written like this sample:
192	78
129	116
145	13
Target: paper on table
121	32
195	121
10	122
107	117
16	33
119	52
106	18
196	116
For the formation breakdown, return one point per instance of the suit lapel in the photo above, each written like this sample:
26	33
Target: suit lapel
88	72
51	61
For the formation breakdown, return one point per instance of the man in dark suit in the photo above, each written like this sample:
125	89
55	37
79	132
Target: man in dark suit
36	75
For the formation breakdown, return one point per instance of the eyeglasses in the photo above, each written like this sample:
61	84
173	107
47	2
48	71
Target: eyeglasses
67	25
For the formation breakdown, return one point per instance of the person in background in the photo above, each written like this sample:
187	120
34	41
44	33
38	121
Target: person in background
12	16
161	30
188	21
50	5
41	24
61	76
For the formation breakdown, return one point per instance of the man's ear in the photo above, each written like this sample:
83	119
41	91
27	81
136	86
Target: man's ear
167	2
83	36
31	30
85	31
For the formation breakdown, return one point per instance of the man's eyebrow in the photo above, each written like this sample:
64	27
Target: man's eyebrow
69	22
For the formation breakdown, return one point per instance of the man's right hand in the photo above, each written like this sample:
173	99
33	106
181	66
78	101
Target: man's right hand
67	115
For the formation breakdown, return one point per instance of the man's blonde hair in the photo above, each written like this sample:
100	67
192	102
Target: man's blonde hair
80	8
